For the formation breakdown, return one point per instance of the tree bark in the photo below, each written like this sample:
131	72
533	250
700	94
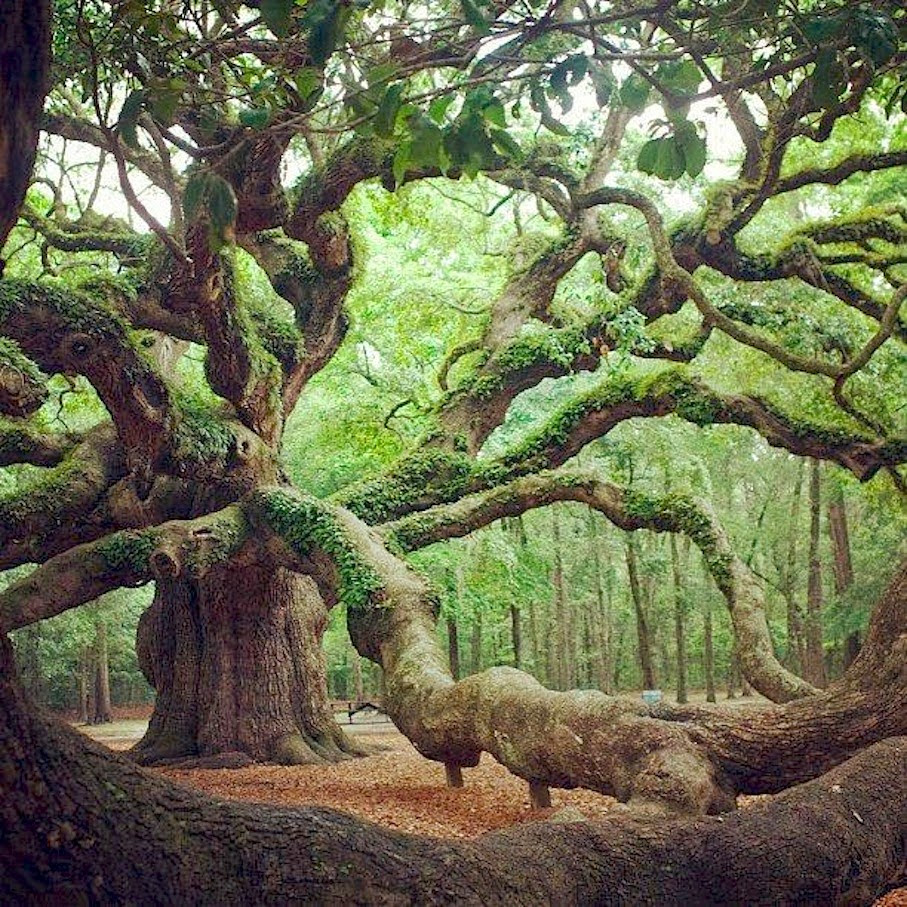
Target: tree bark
516	634
237	665
25	32
842	563
815	652
560	628
453	647
796	641
680	638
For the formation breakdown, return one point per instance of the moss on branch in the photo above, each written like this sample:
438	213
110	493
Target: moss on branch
309	526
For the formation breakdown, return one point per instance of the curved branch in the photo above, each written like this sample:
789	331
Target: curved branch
21	442
629	510
60	497
679	759
23	389
67	331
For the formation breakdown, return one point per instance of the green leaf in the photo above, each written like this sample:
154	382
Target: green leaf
648	156
694	151
681	76
276	15
506	144
308	81
425	144
255	117
634	93
401	162
821	27
669	160
386	116
474	17
494	113
439	106
829	79
194	193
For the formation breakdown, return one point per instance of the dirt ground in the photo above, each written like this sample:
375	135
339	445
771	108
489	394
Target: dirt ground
396	788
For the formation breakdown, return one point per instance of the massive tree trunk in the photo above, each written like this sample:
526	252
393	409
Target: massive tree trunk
237	664
24	63
643	634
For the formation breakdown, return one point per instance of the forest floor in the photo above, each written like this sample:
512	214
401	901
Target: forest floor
396	787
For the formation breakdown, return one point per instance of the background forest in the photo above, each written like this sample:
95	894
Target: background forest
559	592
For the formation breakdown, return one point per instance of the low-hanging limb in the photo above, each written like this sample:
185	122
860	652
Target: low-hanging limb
651	756
68	331
630	510
22	442
58	500
126	558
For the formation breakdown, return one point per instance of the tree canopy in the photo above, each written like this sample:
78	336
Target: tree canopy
688	210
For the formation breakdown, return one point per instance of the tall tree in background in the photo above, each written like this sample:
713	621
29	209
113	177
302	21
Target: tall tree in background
191	494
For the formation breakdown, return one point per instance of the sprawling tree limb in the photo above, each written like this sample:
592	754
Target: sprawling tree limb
59	499
433	476
67	331
22	385
127	558
629	510
566	739
152	842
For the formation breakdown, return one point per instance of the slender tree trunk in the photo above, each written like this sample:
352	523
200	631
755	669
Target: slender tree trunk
358	688
560	628
238	667
601	624
475	643
680	638
842	562
453	647
709	654
796	640
101	711
644	640
815	652
517	635
84	668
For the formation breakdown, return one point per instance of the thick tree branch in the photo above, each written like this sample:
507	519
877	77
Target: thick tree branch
127	558
566	739
58	499
21	442
67	331
628	510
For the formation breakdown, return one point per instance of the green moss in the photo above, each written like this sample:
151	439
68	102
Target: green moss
201	434
307	525
128	550
433	472
44	498
77	310
12	357
680	513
